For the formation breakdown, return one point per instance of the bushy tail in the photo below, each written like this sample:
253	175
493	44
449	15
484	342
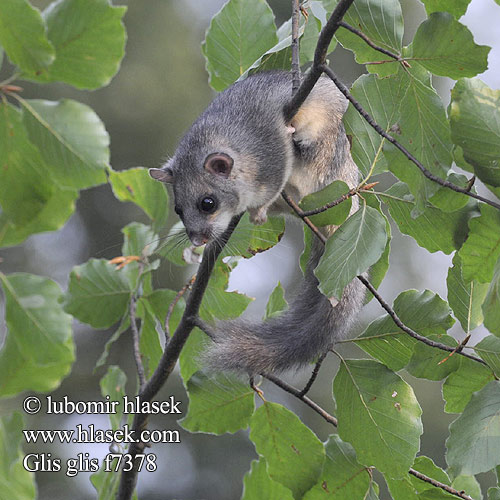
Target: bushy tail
306	330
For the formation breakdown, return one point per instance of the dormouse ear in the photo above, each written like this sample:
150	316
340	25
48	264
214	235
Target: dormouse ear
162	174
219	164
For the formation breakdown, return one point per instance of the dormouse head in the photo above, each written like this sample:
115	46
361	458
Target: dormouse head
205	197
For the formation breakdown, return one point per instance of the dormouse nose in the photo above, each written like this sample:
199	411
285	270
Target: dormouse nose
198	239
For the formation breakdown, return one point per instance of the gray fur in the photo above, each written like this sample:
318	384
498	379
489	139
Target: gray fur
246	122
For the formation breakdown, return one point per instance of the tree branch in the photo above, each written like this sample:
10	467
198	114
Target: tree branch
172	352
393	141
324	39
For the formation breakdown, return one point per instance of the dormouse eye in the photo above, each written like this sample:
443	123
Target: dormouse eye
178	210
208	205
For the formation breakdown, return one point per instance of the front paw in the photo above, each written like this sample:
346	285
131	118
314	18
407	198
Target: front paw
258	215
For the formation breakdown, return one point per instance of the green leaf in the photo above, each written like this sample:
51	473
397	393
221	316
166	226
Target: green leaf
448	200
218	404
38	351
429	363
98	294
382	23
190	358
257	485
150	346
420	106
475	126
72	141
113	389
474	442
480	252
381	98
140	240
445	47
342	476
426	466
379	415
30	201
410	487
351	250
489	350
468	484
106	483
124	326
277	303
491	305
136	185
238	35
434	229
219	304
15	481
424	312
494	494
249	239
335	215
465	298
379	269
455	7
294	455
22	35
89	39
462	383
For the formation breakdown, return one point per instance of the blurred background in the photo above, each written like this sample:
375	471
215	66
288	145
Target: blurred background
160	89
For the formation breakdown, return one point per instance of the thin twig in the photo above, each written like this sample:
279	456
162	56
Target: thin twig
408	330
298	394
437	484
295	46
314	374
171	353
172	305
136	343
306	220
359	33
338	201
393	141
324	39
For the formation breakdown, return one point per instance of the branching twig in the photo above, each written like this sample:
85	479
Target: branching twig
393	141
172	352
359	33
